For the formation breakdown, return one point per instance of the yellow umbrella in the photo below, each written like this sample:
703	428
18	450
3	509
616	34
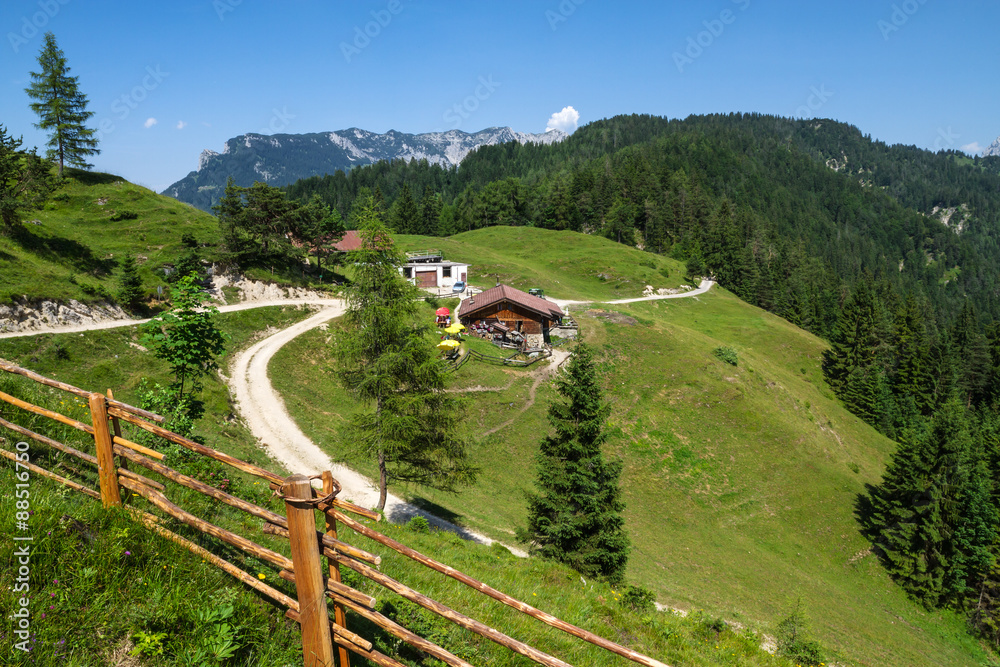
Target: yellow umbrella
448	345
455	328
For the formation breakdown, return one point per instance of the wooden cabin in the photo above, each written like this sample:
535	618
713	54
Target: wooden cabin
510	315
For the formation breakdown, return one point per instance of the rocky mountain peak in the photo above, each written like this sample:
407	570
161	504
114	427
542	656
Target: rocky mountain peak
992	149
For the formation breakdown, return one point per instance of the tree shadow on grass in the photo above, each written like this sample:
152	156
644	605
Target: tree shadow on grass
63	251
438	511
91	177
865	512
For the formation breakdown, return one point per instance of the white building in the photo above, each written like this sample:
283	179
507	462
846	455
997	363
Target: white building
429	269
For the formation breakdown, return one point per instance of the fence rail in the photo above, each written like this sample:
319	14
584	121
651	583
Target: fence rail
325	641
509	361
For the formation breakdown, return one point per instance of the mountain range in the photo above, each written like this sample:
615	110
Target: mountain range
280	159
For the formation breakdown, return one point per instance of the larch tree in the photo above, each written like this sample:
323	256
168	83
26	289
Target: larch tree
407	423
576	515
61	108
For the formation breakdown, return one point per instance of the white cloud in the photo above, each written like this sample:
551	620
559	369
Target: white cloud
181	125
565	120
150	122
974	148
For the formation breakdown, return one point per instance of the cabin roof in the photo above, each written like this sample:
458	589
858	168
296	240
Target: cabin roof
350	241
501	293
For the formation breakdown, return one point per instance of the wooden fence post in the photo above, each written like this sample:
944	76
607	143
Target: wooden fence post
317	642
117	432
331	530
105	454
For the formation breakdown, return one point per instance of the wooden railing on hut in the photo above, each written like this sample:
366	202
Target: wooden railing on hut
326	641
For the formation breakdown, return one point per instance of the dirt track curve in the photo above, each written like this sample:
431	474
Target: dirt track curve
265	414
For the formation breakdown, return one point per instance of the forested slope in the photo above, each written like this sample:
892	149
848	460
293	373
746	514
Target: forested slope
787	214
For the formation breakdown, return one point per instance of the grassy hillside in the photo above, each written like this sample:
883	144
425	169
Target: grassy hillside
566	264
155	596
88	223
740	480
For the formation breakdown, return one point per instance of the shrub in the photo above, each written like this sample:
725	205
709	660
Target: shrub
124	214
638	599
726	354
793	641
419	524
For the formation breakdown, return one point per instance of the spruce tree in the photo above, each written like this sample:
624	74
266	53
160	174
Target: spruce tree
576	515
430	212
129	283
404	214
62	108
929	510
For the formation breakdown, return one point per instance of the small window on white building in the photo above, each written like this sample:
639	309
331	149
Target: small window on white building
446	272
407	271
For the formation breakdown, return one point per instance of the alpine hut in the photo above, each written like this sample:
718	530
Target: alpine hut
507	315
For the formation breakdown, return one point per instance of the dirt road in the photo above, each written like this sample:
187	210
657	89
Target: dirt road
265	414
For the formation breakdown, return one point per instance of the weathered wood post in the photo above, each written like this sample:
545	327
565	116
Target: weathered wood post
105	455
331	530
317	642
117	433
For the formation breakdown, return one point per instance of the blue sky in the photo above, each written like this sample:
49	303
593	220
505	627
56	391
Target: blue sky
169	79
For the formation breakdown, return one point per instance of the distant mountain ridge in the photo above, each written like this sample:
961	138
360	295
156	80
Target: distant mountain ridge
280	159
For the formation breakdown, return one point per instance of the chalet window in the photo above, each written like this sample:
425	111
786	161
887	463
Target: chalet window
446	272
407	271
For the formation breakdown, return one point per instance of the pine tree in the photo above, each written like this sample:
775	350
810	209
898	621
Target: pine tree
404	213
430	212
129	283
407	422
62	108
190	261
920	510
576	516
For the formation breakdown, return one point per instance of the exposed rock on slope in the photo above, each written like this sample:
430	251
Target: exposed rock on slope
27	316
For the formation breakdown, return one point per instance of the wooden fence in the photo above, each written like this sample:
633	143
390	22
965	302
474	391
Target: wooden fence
326	641
510	361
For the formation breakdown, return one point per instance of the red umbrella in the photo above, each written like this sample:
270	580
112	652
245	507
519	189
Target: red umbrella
442	311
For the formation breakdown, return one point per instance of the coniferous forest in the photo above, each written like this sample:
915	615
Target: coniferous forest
890	253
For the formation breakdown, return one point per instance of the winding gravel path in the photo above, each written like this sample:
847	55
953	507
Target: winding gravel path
265	414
